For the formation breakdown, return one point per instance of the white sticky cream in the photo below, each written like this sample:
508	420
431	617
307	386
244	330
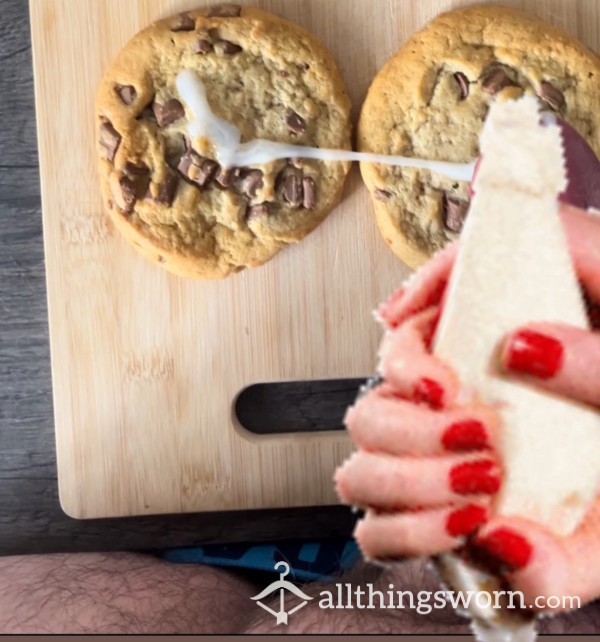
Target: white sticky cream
231	152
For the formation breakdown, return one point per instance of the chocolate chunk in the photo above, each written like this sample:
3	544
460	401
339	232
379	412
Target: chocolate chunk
203	46
463	84
225	177
295	122
204	174
496	80
168	113
310	194
167	190
197	169
126	93
133	185
293	190
382	195
183	22
226	48
551	95
256	211
110	139
253	181
132	169
128	194
225	11
455	213
186	161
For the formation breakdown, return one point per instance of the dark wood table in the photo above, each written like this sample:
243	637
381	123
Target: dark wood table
31	520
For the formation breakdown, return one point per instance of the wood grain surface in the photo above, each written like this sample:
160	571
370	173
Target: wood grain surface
31	520
146	366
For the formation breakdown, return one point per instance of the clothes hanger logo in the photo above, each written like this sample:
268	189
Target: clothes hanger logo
282	586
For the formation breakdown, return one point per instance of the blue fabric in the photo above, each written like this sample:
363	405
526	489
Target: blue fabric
309	552
309	561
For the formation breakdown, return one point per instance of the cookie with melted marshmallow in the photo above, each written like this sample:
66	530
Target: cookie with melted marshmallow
431	99
166	193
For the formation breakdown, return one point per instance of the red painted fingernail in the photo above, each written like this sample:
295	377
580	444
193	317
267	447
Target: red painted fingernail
470	478
430	392
466	435
509	547
534	354
465	521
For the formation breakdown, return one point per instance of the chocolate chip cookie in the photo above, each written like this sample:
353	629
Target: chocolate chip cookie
430	101
166	193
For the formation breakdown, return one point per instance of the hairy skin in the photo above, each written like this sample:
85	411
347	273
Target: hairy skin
132	593
118	593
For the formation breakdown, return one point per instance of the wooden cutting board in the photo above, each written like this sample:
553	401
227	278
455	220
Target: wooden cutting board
146	366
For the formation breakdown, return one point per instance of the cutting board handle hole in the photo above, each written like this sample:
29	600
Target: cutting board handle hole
295	406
